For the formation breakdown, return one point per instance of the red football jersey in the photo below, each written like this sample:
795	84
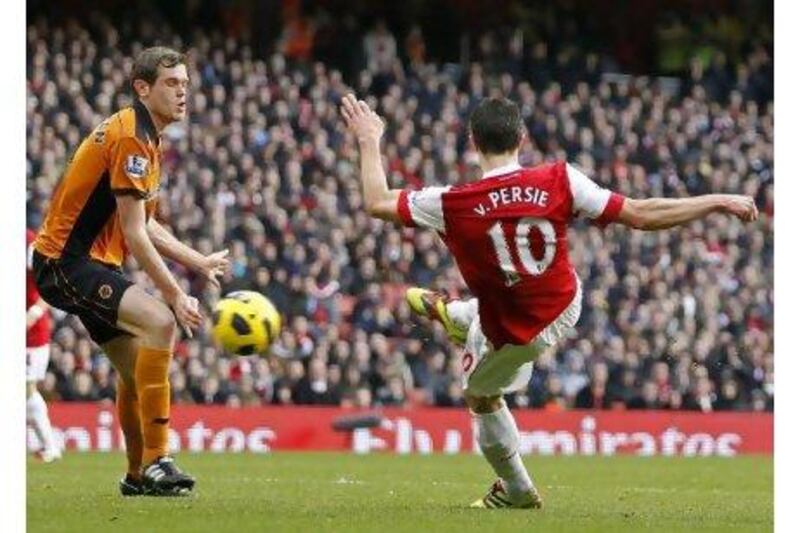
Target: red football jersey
39	333
508	235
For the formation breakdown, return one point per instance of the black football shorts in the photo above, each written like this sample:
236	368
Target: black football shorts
83	287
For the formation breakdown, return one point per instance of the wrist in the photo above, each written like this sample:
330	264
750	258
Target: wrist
172	293
200	263
721	202
369	142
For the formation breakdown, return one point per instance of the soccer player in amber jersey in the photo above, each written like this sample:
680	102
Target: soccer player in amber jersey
37	342
508	235
101	210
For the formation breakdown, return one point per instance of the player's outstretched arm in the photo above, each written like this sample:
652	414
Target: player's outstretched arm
210	266
132	218
367	126
661	213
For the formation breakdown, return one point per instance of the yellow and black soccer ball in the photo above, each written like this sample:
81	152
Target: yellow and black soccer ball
246	323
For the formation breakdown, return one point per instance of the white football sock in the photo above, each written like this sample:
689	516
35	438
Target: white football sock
463	312
37	417
498	438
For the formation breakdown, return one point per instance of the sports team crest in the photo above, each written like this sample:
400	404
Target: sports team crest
136	166
105	291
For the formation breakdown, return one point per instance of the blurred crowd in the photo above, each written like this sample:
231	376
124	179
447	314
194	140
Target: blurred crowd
681	319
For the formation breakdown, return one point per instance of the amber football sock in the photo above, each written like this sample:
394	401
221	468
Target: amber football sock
152	385
131	424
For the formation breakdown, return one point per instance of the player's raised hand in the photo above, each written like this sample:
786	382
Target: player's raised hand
214	266
742	207
365	124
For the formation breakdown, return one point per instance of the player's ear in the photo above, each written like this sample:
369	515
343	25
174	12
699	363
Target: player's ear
141	87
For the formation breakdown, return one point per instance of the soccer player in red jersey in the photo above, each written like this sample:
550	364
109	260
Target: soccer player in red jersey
508	235
37	345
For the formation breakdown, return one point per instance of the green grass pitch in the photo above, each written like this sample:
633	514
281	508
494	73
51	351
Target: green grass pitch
386	493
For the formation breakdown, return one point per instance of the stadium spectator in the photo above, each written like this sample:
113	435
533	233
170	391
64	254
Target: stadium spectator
648	398
595	395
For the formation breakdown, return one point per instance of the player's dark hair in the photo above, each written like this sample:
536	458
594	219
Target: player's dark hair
147	62
496	126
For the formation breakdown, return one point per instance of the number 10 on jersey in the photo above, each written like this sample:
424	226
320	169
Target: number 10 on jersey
522	233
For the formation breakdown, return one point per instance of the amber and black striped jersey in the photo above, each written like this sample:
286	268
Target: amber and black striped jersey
121	156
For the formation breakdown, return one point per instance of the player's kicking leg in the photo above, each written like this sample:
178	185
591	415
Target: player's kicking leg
36	407
154	326
455	315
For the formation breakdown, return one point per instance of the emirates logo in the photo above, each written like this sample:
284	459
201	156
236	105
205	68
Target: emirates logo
105	291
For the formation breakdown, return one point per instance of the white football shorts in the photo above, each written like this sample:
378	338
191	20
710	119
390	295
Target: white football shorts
488	372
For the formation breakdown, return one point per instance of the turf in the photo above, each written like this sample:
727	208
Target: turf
342	492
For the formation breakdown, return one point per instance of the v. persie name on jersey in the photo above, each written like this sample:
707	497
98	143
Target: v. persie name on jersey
513	195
